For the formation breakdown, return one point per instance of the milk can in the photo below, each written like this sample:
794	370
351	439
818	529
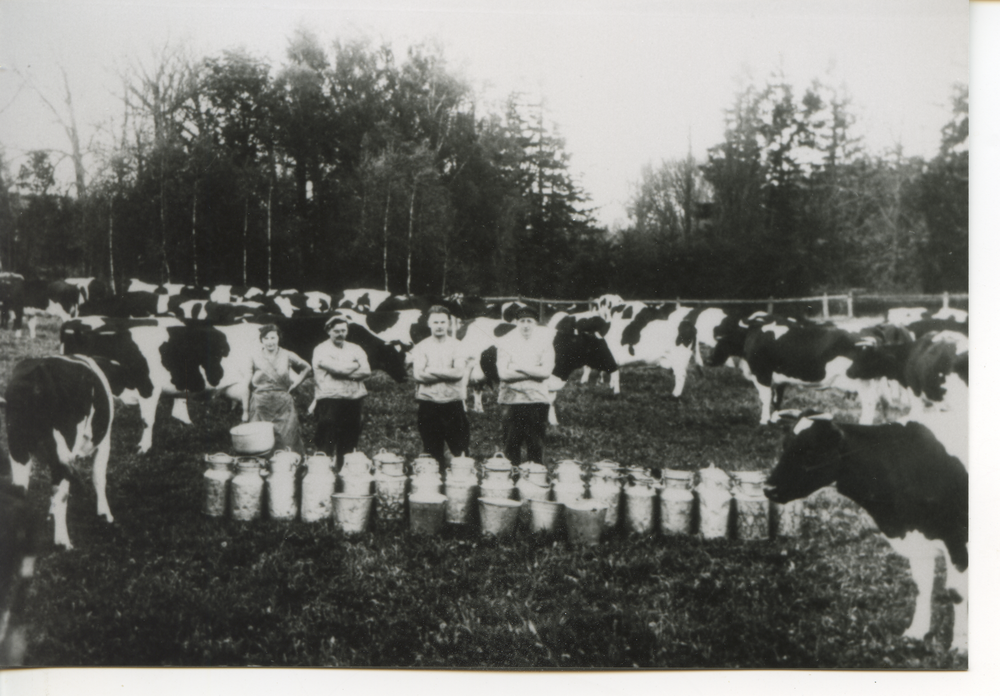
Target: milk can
426	480
606	489
714	501
462	468
216	484
640	500
461	487
390	486
788	518
247	486
317	488
533	481
751	505
388	463
281	475
569	486
676	501
496	481
356	474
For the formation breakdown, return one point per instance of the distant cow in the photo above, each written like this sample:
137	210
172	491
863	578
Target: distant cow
360	299
573	350
781	351
59	413
902	476
90	288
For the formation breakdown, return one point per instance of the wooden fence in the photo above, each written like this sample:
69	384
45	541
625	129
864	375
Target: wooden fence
824	301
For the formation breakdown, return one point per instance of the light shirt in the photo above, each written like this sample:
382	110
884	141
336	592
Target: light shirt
514	352
447	355
331	387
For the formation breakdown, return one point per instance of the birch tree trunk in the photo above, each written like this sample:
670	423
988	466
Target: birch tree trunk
409	239
194	234
385	241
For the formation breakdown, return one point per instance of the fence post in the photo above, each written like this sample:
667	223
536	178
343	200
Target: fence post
850	304
770	305
541	313
826	306
944	300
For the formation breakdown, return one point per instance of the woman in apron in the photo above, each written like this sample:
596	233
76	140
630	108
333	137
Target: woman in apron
276	373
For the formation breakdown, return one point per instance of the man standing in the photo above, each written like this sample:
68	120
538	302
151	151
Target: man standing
340	368
440	369
525	360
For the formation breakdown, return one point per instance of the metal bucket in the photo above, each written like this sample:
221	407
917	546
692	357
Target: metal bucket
584	523
788	518
216	484
639	501
528	489
461	499
247	486
390	497
351	512
544	514
427	514
676	508
503	490
676	479
498	516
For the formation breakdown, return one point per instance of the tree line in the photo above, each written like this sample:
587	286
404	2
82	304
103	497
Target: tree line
350	166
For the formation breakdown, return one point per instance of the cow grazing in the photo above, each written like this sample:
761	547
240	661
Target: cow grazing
59	413
902	476
34	298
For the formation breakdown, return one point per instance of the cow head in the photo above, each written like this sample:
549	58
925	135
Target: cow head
381	355
730	335
809	461
881	351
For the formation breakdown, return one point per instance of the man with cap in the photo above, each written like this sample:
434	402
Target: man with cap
525	360
340	368
441	369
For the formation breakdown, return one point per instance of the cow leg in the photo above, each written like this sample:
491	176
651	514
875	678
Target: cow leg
678	362
60	496
959	581
32	324
698	360
100	477
868	397
147	409
922	555
585	377
477	400
764	392
180	411
20	472
615	382
312	407
240	393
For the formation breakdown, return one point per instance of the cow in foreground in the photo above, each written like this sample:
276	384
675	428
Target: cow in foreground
59	413
916	492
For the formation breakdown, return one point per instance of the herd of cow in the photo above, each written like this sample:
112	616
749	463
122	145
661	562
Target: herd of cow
182	341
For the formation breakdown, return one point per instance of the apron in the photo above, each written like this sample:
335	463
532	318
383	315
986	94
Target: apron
271	401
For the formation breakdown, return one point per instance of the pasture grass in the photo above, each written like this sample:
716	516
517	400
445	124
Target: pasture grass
165	585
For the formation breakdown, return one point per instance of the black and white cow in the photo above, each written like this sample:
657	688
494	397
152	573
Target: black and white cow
573	350
90	288
904	478
781	351
642	335
360	299
34	298
59	414
933	372
135	304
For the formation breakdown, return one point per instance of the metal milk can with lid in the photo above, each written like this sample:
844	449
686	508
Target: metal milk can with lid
497	482
356	474
751	505
317	488
606	489
390	486
714	501
426	476
247	487
532	482
676	501
216	484
461	468
569	486
281	477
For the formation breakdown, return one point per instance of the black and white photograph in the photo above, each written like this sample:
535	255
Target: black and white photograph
507	336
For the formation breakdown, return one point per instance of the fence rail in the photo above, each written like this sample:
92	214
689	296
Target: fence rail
825	299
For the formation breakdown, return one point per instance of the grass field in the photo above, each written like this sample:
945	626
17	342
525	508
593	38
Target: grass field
165	585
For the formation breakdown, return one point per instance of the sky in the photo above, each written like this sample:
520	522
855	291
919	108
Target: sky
627	83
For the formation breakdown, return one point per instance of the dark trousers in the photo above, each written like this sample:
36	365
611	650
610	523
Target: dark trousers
524	423
441	424
338	426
